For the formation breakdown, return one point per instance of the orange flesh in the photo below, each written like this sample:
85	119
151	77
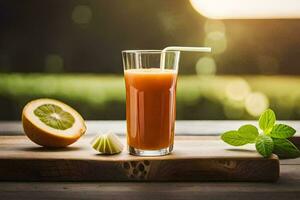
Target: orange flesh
150	107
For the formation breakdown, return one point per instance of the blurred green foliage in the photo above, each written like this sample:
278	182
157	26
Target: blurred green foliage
198	97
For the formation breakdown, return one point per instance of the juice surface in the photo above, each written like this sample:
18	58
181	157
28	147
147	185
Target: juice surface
150	107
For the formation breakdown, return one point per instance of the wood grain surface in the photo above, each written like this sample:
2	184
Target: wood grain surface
287	187
195	158
183	127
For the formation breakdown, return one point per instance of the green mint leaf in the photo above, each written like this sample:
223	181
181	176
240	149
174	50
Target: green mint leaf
283	148
267	121
264	145
248	132
233	138
282	131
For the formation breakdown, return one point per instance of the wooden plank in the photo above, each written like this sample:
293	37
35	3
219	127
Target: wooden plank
294	161
195	158
288	187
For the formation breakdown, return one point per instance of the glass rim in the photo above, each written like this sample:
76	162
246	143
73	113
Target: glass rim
149	51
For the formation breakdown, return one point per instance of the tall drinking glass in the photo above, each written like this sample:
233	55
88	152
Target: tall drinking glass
150	79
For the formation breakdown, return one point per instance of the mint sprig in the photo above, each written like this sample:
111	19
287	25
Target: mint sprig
267	120
285	148
248	132
273	139
282	131
264	145
233	138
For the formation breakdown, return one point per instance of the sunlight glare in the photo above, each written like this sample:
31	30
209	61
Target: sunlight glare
247	9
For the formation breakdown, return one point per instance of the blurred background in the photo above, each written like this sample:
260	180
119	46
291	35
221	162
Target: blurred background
71	50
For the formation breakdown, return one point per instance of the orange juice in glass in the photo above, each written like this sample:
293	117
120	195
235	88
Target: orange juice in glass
150	100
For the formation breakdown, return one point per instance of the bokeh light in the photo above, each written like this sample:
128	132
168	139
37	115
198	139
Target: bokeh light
217	41
82	14
206	66
237	90
54	63
247	9
214	25
256	103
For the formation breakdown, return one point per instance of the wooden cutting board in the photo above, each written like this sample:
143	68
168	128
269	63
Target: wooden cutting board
195	158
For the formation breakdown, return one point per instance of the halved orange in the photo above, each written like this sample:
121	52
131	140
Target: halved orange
52	123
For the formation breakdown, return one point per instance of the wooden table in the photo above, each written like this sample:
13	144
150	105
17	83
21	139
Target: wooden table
288	186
